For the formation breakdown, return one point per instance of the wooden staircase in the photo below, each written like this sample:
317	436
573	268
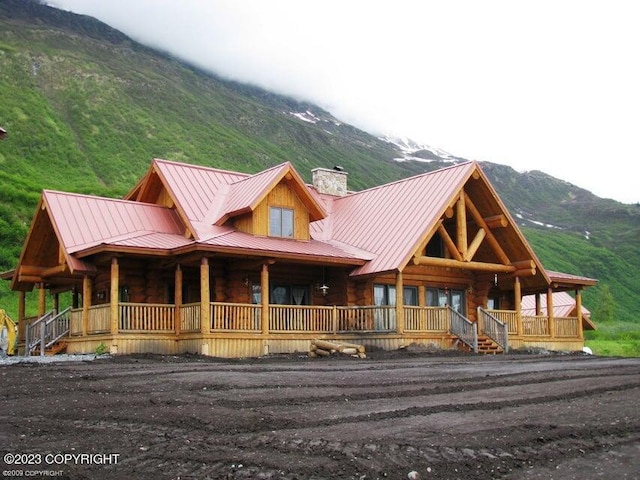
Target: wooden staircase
486	346
58	347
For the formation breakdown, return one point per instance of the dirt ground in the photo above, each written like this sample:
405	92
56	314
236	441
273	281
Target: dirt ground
443	416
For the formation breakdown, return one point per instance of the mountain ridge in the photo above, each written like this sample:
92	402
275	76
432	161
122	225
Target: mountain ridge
87	108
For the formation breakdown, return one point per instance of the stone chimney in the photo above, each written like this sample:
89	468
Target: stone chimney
330	181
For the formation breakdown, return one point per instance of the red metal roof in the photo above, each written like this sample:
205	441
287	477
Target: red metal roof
391	219
196	190
563	305
83	221
244	194
560	277
270	245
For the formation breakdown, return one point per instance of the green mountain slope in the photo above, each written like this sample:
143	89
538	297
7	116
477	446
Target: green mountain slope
86	109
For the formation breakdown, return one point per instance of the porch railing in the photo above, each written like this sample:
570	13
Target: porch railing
464	329
235	316
296	318
494	328
146	317
566	326
509	317
366	319
426	319
190	317
535	325
99	320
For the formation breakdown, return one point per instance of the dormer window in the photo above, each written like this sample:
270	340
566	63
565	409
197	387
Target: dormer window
280	222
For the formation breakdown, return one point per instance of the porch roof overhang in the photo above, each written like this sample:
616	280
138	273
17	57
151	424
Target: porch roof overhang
567	281
232	243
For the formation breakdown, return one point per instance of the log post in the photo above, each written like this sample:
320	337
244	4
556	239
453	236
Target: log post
75	300
264	298
205	297
177	316
461	225
56	303
114	298
579	312
517	298
86	303
399	304
22	303
552	323
538	306
42	300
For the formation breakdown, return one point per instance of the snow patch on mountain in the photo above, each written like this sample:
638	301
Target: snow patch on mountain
310	117
409	147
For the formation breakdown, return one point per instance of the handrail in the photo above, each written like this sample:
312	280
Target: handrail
494	329
464	329
46	331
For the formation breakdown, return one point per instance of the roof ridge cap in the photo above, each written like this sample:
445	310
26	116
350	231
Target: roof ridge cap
199	167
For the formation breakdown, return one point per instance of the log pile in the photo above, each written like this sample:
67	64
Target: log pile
324	348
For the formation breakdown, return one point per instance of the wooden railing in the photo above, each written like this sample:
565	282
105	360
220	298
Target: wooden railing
235	316
190	318
510	317
143	317
75	322
465	330
535	325
366	319
298	318
146	317
566	326
426	319
99	320
493	328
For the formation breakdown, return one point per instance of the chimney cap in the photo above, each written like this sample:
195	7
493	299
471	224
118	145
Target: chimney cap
338	168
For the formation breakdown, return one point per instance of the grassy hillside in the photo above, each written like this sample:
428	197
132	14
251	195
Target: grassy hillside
86	109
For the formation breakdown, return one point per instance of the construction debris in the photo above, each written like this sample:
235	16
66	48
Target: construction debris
324	348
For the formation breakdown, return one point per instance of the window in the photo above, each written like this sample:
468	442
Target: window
386	295
437	297
493	303
280	222
283	295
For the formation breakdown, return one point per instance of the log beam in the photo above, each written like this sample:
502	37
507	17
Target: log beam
493	242
496	221
451	263
461	225
475	244
448	242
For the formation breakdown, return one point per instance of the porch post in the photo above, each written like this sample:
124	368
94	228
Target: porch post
56	302
552	323
114	298
178	299
538	306
205	297
86	303
264	298
399	304
21	309
517	298
579	312
42	300
75	303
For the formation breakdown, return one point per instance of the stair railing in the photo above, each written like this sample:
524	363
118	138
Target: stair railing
494	329
464	329
46	331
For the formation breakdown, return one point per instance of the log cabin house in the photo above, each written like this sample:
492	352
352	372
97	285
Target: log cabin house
222	263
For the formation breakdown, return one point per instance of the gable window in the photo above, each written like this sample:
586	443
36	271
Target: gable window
280	222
